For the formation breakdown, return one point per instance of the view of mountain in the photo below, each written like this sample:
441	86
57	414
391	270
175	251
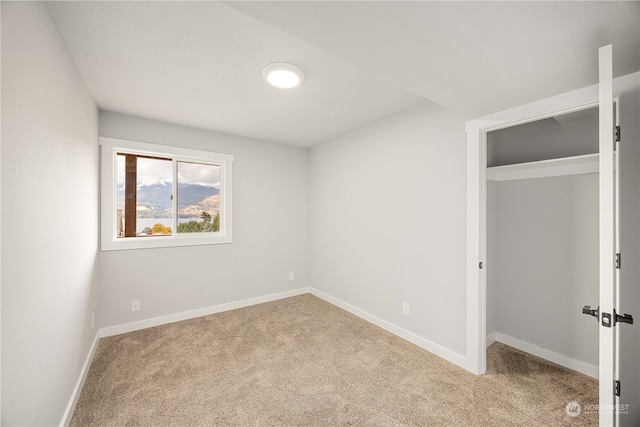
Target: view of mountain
154	201
210	205
191	194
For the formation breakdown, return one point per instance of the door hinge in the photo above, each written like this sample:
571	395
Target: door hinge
591	312
617	134
618	261
616	387
625	318
607	317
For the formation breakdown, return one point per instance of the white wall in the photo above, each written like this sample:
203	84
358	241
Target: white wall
543	241
388	222
270	231
49	218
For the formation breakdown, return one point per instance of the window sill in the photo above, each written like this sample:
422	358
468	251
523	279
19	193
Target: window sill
150	242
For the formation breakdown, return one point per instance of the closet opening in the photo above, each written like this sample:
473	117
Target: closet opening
542	250
542	259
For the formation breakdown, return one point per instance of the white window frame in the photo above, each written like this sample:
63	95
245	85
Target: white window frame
108	193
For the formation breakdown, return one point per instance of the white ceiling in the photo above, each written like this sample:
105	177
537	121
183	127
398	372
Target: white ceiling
200	63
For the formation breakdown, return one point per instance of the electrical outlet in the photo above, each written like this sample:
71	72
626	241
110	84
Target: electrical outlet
291	276
135	305
93	320
405	308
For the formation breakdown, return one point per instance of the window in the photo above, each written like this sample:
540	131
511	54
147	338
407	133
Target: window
160	196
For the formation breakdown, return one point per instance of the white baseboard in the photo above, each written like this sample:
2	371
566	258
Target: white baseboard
396	330
75	395
544	353
491	338
162	320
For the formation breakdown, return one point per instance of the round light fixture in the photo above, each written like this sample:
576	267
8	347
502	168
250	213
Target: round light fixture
283	75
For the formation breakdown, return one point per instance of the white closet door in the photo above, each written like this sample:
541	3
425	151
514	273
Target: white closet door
607	337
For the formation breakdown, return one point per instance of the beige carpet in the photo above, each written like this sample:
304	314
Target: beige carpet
303	362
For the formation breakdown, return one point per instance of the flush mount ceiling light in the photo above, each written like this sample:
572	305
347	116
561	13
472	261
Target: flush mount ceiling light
283	75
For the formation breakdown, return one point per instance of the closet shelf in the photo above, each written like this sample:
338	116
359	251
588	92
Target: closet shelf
576	165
